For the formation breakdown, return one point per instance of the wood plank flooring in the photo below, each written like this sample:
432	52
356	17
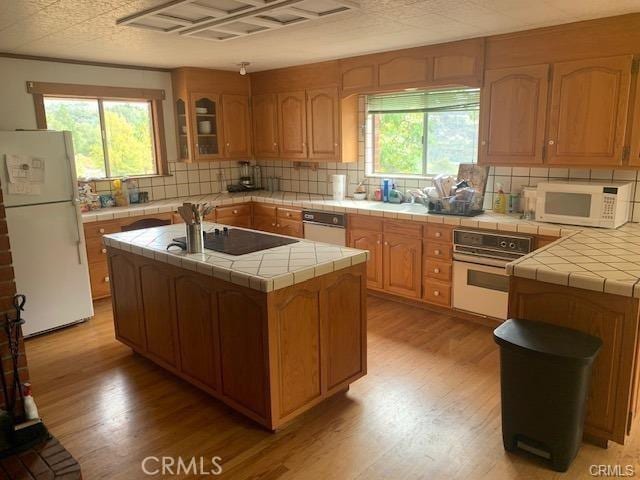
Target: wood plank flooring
429	408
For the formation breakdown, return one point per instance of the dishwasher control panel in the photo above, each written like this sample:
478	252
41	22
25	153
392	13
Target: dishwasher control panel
324	218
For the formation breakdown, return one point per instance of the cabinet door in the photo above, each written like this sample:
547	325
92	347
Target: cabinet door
291	228
265	125
206	131
372	241
127	314
634	158
323	123
236	123
182	126
197	326
514	111
292	125
159	314
589	111
402	265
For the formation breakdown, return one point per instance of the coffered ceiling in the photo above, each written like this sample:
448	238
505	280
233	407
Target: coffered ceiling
87	30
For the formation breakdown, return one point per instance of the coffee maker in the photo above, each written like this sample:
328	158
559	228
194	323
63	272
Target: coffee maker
247	181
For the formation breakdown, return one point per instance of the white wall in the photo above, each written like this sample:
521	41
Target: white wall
16	105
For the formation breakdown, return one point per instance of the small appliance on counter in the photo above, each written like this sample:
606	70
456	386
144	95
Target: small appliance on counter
592	204
248	181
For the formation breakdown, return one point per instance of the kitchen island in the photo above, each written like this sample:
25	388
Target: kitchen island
270	333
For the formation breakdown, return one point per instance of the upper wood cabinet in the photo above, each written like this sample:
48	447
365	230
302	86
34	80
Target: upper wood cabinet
513	108
206	132
236	121
265	125
589	104
323	124
292	125
458	63
634	155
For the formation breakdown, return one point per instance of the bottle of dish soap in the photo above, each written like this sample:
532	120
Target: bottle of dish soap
500	202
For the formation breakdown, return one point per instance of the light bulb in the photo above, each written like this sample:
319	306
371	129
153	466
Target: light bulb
243	67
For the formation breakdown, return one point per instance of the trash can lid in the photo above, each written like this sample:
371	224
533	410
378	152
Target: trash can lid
547	339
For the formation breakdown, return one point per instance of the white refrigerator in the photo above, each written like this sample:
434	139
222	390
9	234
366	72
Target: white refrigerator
46	233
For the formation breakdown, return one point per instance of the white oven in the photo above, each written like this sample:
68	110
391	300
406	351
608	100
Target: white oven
480	280
593	204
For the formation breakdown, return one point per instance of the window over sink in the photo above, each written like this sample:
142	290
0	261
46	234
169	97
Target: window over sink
421	133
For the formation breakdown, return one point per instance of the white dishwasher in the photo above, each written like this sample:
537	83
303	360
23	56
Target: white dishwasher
326	227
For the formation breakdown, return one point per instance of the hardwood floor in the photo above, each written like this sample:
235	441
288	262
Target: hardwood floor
428	409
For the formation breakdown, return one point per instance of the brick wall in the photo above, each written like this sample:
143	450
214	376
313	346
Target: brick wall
7	291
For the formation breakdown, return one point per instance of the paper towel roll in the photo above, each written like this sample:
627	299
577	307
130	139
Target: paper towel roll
339	186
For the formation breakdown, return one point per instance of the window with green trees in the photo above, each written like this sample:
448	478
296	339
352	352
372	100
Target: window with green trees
111	138
423	133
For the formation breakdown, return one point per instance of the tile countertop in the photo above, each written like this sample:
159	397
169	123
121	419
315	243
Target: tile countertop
595	259
265	270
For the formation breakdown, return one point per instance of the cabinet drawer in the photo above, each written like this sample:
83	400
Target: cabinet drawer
236	221
292	228
361	222
97	229
96	251
404	228
437	269
261	210
436	250
436	292
289	213
232	211
441	233
99	275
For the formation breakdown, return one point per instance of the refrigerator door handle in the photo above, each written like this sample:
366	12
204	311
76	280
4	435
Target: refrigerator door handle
68	143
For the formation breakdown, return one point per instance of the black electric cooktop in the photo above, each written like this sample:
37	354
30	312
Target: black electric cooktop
233	241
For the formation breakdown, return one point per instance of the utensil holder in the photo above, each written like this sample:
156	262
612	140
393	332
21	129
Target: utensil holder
195	240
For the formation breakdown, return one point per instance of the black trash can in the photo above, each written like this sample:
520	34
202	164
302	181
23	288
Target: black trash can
545	373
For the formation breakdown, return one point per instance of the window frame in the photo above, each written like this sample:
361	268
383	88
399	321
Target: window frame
425	134
40	90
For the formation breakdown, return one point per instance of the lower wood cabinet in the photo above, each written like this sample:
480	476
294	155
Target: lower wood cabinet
270	356
235	215
402	259
371	241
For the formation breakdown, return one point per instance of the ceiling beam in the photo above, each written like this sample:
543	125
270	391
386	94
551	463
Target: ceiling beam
171	19
263	22
151	11
206	10
302	13
272	7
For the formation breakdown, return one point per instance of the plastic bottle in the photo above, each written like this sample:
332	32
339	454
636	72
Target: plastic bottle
500	202
30	407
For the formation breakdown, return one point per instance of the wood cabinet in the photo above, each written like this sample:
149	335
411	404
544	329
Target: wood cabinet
323	124
213	118
236	215
265	125
236	122
402	259
589	103
97	252
437	251
513	108
280	220
292	125
612	318
634	149
371	241
270	356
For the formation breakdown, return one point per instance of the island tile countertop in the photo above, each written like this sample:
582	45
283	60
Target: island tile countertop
603	260
264	270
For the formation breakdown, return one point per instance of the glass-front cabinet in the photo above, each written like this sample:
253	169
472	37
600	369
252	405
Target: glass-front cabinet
183	129
206	131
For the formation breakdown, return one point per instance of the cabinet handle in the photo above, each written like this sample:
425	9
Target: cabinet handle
228	145
436	270
235	212
104	250
436	252
438	234
278	225
378	242
386	243
101	230
551	142
106	279
288	214
483	142
436	293
273	224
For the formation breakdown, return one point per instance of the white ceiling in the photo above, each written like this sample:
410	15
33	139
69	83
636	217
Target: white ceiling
86	30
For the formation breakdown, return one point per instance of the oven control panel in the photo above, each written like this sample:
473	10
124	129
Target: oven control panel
495	242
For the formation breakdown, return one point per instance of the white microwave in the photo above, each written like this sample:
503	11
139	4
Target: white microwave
593	204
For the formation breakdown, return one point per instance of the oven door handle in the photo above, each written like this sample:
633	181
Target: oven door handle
489	262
